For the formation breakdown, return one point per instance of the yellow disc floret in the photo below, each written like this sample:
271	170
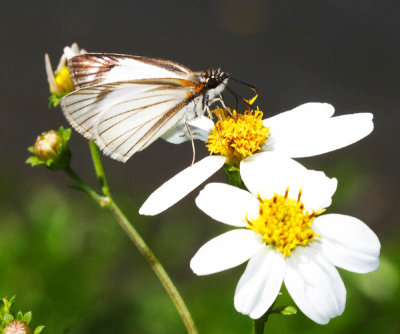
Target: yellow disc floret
237	136
284	223
63	81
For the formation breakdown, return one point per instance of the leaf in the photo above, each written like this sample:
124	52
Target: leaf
38	329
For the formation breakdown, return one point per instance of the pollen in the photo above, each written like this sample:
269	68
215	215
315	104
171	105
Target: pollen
63	81
237	136
284	223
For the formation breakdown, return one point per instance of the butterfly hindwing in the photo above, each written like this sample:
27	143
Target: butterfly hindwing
125	117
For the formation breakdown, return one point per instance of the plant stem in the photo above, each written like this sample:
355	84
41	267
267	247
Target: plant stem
98	166
156	266
233	177
259	324
134	236
81	185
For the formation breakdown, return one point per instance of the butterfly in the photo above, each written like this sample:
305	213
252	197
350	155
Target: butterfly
124	103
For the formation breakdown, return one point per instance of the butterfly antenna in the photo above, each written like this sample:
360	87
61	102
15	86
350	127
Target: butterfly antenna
237	96
253	88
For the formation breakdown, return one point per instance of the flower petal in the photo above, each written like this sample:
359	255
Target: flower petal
260	284
318	136
305	112
226	251
269	172
227	204
315	285
348	243
181	184
50	74
199	126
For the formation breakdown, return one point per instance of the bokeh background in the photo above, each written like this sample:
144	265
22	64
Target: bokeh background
71	264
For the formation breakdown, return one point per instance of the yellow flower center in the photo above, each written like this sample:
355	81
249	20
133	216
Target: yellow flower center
63	81
284	223
237	136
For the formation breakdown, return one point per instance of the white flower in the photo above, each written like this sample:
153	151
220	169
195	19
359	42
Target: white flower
59	79
304	131
284	238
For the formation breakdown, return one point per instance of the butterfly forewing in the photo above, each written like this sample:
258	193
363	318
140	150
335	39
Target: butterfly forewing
92	69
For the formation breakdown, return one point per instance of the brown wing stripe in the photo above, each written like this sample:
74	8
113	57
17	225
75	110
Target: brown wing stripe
162	120
128	111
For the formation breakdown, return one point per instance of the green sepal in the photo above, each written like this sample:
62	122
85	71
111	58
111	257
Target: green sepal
27	317
7	305
34	161
54	99
19	316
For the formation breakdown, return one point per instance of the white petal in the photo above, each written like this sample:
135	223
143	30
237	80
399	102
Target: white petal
181	184
226	251
269	172
260	284
50	74
69	52
199	126
227	204
315	285
318	136
305	112
348	243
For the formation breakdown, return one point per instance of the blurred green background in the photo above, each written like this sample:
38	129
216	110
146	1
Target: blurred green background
71	264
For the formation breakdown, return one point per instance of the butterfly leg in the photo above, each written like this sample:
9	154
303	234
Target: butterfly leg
221	100
192	140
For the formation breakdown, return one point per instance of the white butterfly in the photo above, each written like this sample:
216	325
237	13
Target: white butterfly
124	103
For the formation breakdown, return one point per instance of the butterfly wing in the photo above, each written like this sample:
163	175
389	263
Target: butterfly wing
125	117
99	68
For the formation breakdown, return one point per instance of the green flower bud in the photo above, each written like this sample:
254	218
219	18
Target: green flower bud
51	149
17	327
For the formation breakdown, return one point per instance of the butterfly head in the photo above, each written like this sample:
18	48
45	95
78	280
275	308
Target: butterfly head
215	77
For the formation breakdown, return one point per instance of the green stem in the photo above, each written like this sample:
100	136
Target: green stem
156	266
138	241
98	166
259	324
233	177
81	185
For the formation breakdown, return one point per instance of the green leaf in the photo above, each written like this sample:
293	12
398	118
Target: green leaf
285	310
38	329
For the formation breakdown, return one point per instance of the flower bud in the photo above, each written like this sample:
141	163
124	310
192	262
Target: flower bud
46	145
17	327
51	149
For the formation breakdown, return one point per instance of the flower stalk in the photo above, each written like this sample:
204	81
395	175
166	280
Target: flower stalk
105	201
